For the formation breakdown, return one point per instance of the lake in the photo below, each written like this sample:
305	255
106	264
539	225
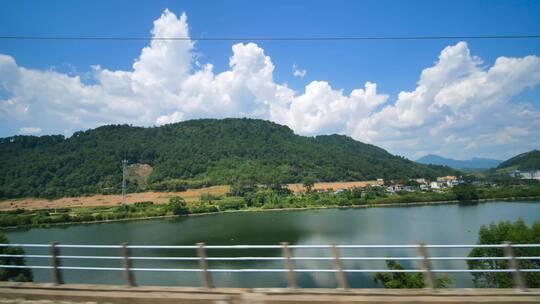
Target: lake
430	224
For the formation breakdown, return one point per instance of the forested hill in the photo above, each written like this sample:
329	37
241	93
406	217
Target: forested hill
190	153
525	161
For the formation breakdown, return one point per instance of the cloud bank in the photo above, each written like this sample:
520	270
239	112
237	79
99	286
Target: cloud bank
459	107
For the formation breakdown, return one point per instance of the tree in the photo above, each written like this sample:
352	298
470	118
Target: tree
411	183
497	233
244	183
178	205
465	192
308	182
13	274
405	280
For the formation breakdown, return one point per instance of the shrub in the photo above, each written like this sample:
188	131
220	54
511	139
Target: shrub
144	204
203	208
405	280
465	192
208	197
177	205
231	204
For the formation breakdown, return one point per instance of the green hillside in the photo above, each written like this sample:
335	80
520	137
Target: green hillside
191	153
525	161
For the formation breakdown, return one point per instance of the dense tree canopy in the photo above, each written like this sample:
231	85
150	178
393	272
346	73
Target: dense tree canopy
208	151
465	192
13	274
498	233
525	161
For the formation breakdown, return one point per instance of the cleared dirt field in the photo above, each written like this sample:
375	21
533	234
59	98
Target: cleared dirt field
190	195
297	188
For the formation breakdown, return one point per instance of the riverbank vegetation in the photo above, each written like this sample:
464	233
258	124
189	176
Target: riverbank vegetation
263	197
496	233
406	280
13	274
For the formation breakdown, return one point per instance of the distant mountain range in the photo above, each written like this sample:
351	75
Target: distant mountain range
475	163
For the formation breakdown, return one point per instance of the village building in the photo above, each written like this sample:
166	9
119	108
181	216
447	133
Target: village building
531	174
421	181
394	188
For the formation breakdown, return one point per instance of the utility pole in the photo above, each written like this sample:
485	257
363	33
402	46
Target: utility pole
124	163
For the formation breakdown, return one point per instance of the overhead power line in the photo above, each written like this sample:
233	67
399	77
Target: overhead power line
292	38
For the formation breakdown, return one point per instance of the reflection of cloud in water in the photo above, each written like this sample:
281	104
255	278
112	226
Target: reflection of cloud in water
364	280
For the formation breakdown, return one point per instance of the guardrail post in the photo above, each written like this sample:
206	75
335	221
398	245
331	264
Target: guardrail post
519	282
55	263
204	266
340	275
291	277
128	275
426	267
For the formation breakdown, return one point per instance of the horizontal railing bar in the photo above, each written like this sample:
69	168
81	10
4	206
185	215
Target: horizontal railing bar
245	258
483	270
300	270
274	246
484	246
167	269
44	256
88	246
162	247
275	270
61	245
243	246
91	268
264	258
366	246
25	256
25	245
481	258
91	257
527	258
166	258
26	266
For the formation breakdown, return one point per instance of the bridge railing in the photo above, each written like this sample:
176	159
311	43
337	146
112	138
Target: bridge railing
55	257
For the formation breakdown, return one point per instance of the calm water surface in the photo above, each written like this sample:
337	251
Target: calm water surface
436	224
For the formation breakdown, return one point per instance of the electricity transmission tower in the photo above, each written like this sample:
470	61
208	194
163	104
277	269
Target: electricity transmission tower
124	163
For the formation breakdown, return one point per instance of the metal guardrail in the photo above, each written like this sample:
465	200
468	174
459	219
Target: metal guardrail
426	268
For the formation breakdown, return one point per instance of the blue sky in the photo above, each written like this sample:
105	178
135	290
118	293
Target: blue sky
394	66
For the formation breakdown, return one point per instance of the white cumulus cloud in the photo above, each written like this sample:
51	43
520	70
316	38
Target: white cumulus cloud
460	106
457	97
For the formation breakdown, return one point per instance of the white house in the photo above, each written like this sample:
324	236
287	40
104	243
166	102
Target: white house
434	185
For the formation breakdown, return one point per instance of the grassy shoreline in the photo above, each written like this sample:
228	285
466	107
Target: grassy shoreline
363	206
